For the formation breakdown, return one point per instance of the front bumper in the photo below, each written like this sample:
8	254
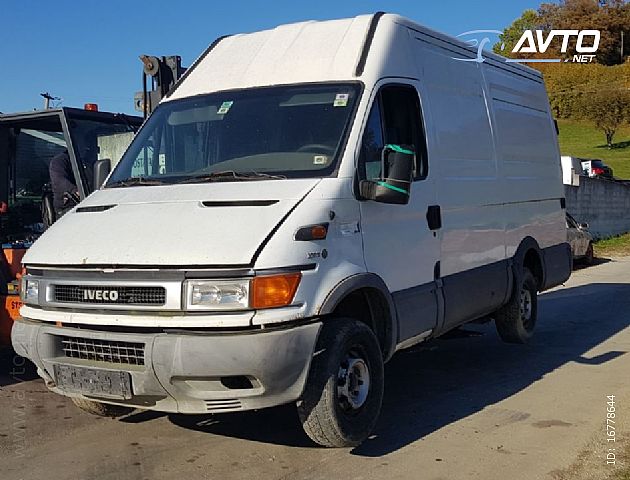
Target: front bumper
184	372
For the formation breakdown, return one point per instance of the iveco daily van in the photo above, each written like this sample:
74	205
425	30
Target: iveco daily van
305	202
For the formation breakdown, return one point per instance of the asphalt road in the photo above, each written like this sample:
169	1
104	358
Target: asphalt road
464	407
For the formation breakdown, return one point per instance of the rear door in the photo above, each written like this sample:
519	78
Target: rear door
398	244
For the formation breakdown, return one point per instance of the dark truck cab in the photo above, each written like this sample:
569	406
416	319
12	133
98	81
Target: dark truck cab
28	142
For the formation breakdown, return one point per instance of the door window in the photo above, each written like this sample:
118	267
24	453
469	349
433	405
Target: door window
372	145
394	119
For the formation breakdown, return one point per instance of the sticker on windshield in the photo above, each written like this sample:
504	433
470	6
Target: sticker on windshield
162	163
341	100
224	108
320	160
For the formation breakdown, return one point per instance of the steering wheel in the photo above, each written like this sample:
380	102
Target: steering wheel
316	148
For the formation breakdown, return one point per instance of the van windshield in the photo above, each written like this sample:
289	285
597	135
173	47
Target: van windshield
260	133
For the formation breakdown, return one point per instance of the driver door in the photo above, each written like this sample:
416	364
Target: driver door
398	244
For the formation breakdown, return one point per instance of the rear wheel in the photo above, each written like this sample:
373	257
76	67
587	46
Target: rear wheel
101	409
515	321
343	394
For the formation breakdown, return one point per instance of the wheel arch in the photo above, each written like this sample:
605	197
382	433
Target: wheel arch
368	293
529	254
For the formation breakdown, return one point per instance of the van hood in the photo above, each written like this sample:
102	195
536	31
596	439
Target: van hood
211	224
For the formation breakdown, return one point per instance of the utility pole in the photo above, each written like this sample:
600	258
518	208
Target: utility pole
47	98
622	46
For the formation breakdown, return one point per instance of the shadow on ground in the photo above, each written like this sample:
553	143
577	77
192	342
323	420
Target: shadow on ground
581	265
449	379
616	145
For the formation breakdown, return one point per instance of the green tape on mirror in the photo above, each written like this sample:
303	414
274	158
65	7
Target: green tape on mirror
392	187
398	148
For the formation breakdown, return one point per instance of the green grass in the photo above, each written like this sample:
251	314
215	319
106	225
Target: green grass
582	139
615	246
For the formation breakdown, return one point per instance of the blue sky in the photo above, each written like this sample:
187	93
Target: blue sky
87	51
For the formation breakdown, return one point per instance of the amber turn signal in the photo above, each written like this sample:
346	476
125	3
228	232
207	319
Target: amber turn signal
312	232
274	290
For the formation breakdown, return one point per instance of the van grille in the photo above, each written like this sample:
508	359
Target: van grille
103	350
109	295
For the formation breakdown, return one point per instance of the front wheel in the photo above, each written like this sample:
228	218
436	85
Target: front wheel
343	394
515	321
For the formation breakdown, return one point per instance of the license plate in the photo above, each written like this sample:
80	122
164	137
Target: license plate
93	383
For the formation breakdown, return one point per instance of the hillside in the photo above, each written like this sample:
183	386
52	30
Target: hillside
582	139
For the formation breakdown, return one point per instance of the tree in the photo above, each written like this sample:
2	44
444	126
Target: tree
567	83
610	17
608	109
529	20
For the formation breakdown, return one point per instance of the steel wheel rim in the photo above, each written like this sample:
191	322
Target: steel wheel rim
525	307
353	382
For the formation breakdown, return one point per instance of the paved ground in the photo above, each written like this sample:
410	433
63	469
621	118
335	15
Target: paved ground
466	407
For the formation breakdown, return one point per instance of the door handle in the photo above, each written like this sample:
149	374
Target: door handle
434	217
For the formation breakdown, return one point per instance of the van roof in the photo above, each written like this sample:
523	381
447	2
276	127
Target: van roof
359	48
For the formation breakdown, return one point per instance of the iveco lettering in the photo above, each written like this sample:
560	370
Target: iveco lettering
303	204
100	295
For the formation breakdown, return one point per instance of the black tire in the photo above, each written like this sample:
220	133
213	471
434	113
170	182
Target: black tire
589	256
101	409
515	321
330	415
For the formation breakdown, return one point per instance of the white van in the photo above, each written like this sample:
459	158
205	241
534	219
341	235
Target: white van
307	201
572	170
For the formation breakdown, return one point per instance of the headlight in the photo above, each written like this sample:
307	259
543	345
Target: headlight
265	291
29	291
217	295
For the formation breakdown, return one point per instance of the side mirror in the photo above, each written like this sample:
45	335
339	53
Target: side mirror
101	171
397	166
583	226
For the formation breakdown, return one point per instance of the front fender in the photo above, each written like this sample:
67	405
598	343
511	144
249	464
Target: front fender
357	282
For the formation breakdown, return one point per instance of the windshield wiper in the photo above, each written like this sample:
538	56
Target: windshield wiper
134	181
231	175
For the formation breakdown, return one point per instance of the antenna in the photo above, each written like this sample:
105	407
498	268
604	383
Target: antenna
47	98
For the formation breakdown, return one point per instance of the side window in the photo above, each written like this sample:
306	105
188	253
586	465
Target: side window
372	144
395	118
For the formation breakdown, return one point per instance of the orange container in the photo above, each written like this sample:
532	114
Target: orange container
9	312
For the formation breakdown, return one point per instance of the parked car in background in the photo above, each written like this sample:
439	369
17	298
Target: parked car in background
580	239
596	168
